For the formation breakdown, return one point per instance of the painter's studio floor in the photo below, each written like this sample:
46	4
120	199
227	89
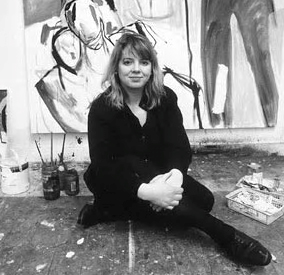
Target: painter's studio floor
41	237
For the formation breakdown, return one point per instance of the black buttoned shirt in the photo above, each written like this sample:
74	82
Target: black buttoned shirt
125	154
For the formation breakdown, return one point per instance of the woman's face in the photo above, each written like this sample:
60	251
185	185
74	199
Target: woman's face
133	71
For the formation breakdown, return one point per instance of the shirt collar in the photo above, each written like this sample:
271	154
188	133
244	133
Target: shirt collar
142	104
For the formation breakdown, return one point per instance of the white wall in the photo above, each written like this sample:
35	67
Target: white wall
13	77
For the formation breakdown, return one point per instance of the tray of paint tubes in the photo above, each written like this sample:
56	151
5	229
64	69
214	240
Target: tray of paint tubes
259	206
257	197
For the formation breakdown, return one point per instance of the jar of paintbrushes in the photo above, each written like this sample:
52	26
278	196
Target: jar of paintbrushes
49	174
50	181
56	176
68	177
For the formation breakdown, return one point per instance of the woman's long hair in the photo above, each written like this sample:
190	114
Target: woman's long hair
141	47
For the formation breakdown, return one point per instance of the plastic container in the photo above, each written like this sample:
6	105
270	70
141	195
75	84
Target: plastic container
249	211
50	182
14	176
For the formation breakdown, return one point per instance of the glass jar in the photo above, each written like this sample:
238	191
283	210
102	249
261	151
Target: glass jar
50	182
70	179
255	170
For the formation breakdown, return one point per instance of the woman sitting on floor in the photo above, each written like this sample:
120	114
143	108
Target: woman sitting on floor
140	154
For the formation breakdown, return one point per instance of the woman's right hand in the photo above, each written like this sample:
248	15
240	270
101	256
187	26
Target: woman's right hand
160	194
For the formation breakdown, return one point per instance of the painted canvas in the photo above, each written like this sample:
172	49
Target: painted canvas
222	58
3	116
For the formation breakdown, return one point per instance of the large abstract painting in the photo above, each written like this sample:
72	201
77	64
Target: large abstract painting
3	116
222	58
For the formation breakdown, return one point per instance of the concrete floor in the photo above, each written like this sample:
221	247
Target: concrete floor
41	237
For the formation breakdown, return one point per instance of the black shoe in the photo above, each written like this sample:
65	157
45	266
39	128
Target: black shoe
88	216
247	251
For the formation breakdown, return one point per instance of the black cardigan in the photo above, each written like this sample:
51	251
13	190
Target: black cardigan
124	155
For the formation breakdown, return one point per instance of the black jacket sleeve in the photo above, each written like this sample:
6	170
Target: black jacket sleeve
176	150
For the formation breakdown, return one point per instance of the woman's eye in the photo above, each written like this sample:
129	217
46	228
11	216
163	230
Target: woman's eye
145	62
126	62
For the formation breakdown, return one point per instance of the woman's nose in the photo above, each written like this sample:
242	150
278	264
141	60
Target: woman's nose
136	66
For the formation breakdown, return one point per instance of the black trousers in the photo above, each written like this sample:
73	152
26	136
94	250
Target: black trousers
193	211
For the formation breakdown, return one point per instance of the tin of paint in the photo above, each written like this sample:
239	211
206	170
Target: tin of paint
14	178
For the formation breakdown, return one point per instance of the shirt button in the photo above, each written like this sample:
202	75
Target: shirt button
146	160
143	138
